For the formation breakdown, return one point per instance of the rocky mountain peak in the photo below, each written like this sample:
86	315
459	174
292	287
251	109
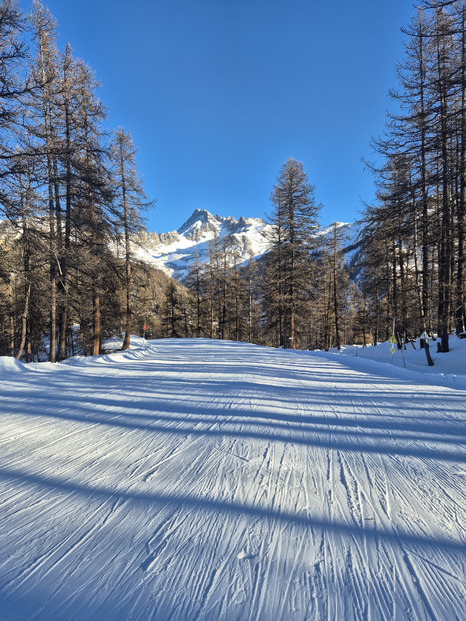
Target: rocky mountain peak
175	252
198	218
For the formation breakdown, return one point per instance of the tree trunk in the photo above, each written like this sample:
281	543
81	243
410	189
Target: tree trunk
24	321
97	334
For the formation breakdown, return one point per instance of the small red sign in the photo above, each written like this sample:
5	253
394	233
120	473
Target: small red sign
144	327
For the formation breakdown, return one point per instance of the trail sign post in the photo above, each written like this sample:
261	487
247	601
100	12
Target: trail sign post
144	328
392	341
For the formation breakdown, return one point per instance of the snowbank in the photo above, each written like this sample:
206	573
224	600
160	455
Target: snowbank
411	363
10	365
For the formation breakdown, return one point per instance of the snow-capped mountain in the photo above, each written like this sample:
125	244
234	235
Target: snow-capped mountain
175	251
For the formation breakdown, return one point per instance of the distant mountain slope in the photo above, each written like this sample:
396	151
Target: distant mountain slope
175	251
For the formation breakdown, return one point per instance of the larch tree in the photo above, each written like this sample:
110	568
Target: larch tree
294	220
45	72
196	286
96	201
12	87
130	200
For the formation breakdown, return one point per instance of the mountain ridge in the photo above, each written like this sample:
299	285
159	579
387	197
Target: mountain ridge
249	238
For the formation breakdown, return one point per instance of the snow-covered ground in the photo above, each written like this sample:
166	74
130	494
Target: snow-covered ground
449	369
196	479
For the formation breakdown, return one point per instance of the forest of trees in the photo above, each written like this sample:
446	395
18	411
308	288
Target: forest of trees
297	295
70	198
414	254
71	202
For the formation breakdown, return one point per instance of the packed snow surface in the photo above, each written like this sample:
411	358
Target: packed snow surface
195	479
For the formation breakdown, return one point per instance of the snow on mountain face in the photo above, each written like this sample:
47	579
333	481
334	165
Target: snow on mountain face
174	252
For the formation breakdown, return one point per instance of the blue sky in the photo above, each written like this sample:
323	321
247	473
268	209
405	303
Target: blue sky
219	93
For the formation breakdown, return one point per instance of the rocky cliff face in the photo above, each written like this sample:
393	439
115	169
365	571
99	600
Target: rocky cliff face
152	240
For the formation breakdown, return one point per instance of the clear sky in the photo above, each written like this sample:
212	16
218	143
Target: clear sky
219	93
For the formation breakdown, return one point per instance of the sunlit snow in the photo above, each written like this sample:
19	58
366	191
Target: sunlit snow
198	479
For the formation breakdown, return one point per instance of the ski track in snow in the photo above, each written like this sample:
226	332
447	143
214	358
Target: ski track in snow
206	480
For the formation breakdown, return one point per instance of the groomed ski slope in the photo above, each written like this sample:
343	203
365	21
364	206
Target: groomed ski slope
197	479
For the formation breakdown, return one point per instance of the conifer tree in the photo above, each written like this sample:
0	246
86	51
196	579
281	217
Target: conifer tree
294	220
45	71
195	284
130	199
12	87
